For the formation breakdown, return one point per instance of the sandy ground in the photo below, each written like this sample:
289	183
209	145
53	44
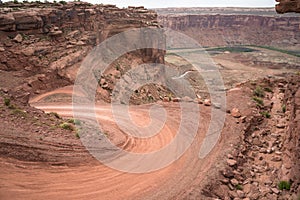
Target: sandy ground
97	181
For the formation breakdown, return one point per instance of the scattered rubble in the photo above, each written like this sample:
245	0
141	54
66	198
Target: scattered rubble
266	156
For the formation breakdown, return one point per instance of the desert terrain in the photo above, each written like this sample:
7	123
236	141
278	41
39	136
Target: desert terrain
43	151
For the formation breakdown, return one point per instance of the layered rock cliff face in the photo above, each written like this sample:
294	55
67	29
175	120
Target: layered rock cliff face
46	43
236	29
292	140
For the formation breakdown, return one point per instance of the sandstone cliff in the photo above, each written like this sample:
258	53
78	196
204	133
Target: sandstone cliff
221	28
46	43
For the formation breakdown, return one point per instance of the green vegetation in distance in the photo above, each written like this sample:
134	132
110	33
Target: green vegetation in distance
293	53
243	49
235	49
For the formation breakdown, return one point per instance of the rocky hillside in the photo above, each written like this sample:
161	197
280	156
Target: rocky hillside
44	43
221	27
265	164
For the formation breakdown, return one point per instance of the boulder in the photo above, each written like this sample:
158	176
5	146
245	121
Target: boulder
235	113
240	194
28	51
176	99
275	190
18	38
207	102
198	101
217	105
280	125
234	182
166	99
231	162
56	33
80	43
243	119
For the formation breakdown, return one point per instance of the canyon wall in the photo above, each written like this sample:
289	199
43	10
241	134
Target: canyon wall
237	29
46	42
292	137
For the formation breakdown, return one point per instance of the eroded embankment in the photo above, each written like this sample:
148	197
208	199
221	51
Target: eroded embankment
265	164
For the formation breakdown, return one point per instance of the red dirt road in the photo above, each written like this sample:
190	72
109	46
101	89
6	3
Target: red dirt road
182	179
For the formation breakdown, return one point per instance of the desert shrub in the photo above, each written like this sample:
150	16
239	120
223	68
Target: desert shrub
71	121
77	135
19	112
284	108
105	133
53	127
25	36
258	100
259	92
11	106
239	187
6	101
63	2
74	121
118	67
77	121
267	89
66	126
266	114
55	115
284	185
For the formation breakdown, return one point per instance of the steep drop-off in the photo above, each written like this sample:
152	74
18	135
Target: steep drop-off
45	43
